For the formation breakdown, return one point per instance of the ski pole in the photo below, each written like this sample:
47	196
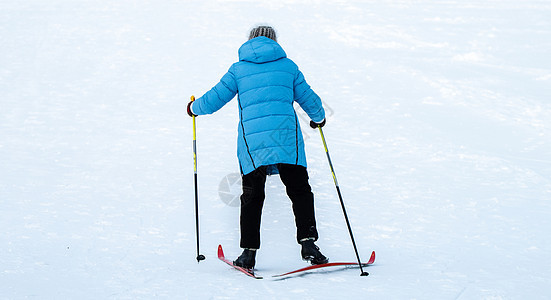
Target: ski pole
342	203
200	257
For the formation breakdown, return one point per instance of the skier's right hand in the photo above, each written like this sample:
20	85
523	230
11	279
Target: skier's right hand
189	111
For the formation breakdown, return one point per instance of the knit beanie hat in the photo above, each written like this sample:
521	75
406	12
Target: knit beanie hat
266	31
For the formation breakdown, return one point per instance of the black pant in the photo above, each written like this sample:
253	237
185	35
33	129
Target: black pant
295	179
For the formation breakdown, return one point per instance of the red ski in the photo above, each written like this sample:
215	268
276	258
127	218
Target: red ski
313	267
248	272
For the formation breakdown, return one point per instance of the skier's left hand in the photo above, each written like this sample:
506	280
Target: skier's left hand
316	125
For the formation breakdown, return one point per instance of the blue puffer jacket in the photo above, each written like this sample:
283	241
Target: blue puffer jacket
267	83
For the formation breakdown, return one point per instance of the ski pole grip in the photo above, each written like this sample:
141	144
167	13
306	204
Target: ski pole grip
189	111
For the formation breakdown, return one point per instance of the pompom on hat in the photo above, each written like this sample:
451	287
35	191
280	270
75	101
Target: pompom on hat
263	30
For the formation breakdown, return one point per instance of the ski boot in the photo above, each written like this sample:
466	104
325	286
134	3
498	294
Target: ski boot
310	252
246	259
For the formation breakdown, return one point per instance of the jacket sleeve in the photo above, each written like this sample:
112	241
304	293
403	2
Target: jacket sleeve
218	96
308	99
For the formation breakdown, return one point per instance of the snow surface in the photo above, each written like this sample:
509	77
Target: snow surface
439	128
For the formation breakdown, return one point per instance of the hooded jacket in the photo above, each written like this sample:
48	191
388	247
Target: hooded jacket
267	83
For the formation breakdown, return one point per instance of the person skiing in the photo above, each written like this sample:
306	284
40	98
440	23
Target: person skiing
270	140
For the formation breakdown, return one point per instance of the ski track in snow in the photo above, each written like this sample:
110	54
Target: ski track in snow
438	127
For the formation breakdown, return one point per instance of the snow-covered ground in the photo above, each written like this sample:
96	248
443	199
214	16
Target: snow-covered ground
439	128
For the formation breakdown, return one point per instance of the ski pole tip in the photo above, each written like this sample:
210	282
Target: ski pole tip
364	274
200	257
